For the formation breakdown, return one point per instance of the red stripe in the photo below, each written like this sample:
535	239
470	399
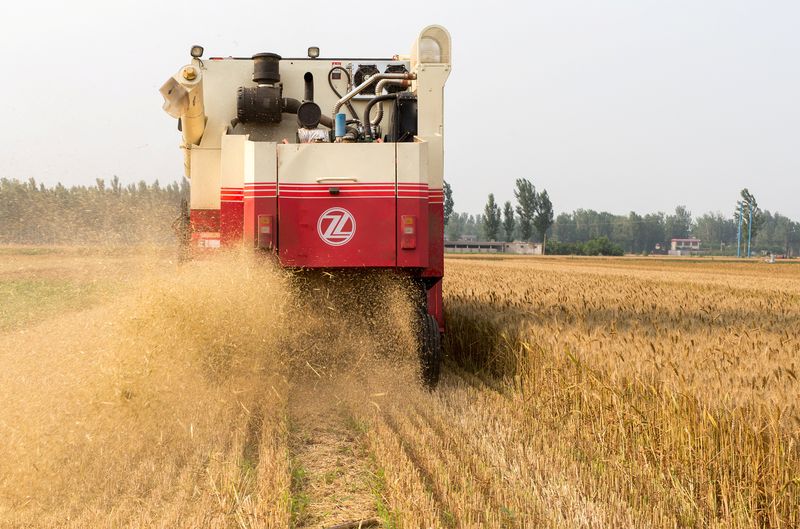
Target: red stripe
311	197
312	187
341	190
341	194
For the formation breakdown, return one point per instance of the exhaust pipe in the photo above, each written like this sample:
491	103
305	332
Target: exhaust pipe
309	91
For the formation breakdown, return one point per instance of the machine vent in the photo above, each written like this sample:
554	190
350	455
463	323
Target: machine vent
395	68
364	72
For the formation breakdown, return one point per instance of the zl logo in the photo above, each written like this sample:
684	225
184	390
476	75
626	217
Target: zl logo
336	226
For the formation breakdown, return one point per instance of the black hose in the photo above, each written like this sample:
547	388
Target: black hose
289	105
335	91
376	99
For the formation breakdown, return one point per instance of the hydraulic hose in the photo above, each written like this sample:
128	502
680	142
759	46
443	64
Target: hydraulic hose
379	91
370	104
335	91
375	78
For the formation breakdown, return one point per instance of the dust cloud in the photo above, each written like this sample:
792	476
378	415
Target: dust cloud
139	411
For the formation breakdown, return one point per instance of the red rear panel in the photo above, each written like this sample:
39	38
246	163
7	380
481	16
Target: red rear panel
353	228
337	205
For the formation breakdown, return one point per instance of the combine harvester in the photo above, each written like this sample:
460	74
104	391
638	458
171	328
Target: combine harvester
329	164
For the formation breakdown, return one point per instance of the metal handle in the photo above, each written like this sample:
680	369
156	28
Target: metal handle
337	179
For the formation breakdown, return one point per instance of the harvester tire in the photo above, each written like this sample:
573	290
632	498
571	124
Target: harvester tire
430	354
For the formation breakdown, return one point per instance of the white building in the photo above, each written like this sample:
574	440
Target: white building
516	247
684	246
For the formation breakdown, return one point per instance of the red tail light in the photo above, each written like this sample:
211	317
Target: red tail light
266	232
408	232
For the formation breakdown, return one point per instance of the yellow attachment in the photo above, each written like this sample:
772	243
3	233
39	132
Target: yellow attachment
183	99
189	73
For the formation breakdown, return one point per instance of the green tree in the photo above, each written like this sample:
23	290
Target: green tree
636	242
454	228
716	231
448	202
564	228
527	206
748	206
678	225
491	218
601	246
509	222
652	231
544	214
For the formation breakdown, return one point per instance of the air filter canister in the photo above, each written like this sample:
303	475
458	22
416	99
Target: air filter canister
266	68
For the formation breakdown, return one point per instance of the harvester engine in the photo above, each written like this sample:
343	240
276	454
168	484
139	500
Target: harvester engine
328	164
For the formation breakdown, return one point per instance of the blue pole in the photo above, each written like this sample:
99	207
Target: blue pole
749	228
739	234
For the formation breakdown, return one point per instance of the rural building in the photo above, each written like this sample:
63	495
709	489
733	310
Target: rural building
525	248
684	246
471	246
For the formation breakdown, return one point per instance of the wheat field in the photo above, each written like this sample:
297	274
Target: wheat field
577	393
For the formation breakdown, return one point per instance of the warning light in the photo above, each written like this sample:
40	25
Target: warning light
266	240
408	237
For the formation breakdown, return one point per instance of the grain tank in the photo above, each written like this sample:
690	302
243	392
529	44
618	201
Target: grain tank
326	163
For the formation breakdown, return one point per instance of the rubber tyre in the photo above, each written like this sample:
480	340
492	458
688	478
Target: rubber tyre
430	354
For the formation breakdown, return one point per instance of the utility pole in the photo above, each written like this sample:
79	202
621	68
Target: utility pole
749	227
739	234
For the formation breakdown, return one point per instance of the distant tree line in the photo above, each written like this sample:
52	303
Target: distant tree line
112	213
589	232
532	216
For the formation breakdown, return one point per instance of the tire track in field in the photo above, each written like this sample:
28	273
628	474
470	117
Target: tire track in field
361	448
331	476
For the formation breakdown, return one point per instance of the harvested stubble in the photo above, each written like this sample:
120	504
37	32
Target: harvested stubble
148	411
580	393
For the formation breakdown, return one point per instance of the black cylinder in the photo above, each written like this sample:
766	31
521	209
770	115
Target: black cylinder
308	115
259	104
266	68
292	106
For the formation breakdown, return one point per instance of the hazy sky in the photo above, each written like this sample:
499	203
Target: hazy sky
613	105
